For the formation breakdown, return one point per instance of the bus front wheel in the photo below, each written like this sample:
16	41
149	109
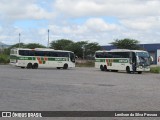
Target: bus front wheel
128	69
139	72
65	66
29	65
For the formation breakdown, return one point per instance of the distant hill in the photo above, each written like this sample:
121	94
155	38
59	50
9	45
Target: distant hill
2	45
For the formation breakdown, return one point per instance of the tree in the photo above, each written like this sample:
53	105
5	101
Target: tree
126	44
7	50
22	45
90	49
78	48
34	45
81	49
60	44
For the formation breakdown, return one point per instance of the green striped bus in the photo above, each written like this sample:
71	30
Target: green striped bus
42	58
122	59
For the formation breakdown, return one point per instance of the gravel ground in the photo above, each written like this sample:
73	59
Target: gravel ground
78	89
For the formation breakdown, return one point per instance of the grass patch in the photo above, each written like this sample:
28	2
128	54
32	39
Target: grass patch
85	64
4	59
155	70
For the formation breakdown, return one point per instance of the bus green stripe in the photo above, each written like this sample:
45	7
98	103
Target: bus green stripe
43	58
13	57
26	58
112	60
120	61
57	59
99	60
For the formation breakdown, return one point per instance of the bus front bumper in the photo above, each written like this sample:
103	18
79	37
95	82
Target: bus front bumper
143	68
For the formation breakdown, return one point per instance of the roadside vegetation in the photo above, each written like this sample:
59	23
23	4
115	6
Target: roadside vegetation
4	59
155	69
86	63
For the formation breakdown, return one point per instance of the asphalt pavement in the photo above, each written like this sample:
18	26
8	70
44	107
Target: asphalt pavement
77	89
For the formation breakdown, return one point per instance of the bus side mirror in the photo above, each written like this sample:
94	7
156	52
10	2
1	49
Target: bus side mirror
151	58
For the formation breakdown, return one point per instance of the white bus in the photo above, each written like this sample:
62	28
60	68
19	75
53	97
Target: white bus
42	58
122	59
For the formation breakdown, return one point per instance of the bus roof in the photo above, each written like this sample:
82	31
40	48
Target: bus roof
121	50
41	49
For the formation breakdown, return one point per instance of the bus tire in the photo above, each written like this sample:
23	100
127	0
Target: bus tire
128	69
29	65
22	67
58	68
101	68
139	72
35	66
114	70
65	66
105	68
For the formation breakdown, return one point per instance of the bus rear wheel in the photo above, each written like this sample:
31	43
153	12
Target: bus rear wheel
101	68
29	65
105	68
65	66
35	66
114	70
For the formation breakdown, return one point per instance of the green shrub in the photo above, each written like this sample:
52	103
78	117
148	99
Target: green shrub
4	59
85	64
155	70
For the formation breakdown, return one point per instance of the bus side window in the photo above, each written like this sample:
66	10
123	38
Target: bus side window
21	52
109	55
47	53
66	54
97	55
31	53
39	53
53	54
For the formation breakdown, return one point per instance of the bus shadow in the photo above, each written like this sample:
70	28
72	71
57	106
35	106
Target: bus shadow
122	72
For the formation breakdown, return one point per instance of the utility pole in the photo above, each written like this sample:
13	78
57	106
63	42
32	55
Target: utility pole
48	39
83	48
19	39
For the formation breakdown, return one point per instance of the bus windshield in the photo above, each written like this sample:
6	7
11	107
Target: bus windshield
143	58
72	57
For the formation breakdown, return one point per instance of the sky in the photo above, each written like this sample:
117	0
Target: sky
101	21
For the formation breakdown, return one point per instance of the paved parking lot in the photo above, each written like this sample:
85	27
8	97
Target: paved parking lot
77	89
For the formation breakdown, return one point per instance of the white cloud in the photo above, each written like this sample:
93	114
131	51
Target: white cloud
146	23
80	20
11	10
93	30
119	8
99	25
91	25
